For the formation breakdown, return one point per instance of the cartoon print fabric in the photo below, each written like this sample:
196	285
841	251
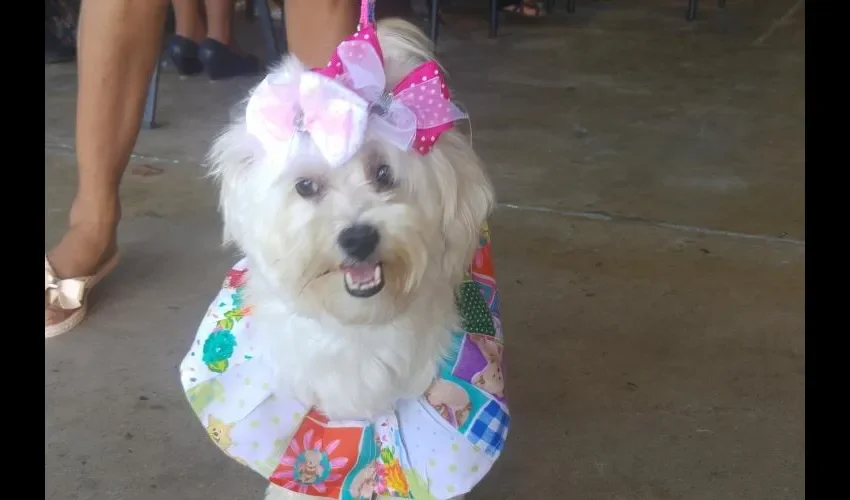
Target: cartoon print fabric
436	447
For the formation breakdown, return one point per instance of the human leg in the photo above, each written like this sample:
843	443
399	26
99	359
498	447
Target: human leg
218	52
219	20
118	46
188	21
189	30
315	27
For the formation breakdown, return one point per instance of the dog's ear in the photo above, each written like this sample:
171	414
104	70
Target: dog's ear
230	159
467	194
468	200
236	161
404	47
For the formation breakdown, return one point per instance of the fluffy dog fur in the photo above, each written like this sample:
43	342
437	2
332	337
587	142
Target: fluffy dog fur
353	358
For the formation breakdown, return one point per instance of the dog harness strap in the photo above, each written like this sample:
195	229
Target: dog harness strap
367	14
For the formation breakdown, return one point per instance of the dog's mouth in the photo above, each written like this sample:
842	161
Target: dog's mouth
363	279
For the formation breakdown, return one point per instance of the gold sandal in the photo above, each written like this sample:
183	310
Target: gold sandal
69	295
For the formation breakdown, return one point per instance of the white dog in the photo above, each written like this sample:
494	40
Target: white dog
353	269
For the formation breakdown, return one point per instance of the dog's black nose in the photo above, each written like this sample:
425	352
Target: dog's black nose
359	241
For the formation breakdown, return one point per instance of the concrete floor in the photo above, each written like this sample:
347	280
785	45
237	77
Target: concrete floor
649	244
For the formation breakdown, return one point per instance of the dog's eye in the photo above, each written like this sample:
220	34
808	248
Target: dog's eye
383	177
307	188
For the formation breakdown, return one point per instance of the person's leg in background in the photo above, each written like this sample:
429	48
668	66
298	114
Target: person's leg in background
315	27
220	20
188	21
208	44
118	46
189	30
218	52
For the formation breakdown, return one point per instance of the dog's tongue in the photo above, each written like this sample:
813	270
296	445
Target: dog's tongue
363	273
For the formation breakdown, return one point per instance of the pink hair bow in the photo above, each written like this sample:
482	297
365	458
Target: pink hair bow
302	113
414	113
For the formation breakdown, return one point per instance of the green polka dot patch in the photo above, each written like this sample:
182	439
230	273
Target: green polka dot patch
474	313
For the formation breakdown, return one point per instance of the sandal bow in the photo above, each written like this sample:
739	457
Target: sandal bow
64	293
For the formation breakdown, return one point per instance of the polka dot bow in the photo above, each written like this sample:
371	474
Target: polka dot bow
414	113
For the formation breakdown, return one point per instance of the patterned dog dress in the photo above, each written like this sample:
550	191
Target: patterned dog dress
435	447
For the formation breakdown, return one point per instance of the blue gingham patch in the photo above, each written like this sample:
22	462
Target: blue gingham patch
490	429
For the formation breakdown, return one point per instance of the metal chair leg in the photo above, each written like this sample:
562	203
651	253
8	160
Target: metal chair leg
273	53
691	13
149	118
571	6
494	18
434	20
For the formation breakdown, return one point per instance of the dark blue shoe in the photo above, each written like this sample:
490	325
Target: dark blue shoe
183	53
221	63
